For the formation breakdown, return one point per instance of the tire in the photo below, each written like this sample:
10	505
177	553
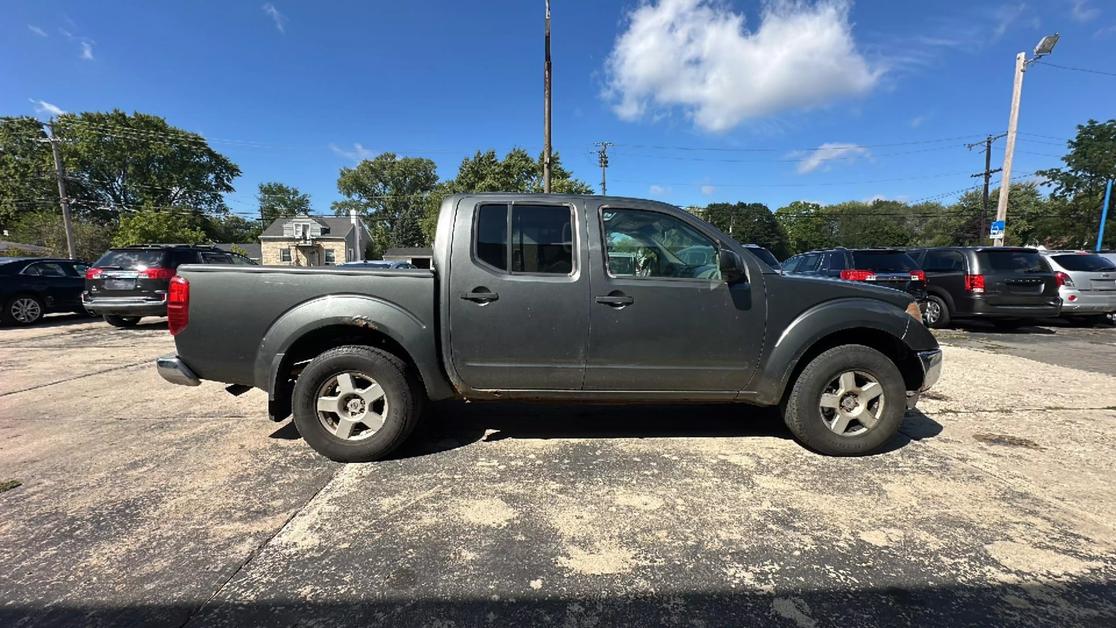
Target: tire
807	419
122	321
943	317
392	416
24	309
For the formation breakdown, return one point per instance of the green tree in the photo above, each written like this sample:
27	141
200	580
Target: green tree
44	228
26	169
232	228
281	201
116	162
1078	187
154	226
807	226
391	191
749	223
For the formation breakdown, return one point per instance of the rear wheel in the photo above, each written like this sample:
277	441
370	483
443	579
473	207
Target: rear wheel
848	401
937	312
122	321
356	404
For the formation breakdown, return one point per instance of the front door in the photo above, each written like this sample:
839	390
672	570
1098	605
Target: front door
518	296
661	318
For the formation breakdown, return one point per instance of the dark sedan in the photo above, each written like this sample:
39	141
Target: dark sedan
31	287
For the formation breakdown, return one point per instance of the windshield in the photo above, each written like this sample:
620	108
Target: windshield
1017	261
884	261
131	259
1085	263
764	255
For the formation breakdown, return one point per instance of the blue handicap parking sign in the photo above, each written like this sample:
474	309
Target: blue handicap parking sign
997	229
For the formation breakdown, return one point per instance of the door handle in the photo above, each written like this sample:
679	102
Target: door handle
480	296
615	300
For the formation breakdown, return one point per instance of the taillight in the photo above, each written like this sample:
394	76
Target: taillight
918	275
857	275
157	273
974	283
178	304
93	273
1062	279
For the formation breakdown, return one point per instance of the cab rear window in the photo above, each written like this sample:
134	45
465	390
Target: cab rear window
1009	261
883	261
1085	263
129	259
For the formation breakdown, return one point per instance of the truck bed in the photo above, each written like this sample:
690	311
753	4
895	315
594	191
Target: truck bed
233	308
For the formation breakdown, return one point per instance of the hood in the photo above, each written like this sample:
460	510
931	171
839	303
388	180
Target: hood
824	289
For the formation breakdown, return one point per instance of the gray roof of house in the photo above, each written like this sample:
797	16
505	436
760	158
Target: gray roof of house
410	251
29	248
332	226
251	249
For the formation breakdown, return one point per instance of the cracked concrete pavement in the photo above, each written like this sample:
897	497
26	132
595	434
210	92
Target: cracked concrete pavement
145	503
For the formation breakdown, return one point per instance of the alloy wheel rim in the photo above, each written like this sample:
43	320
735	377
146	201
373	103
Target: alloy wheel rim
852	403
933	311
351	406
26	310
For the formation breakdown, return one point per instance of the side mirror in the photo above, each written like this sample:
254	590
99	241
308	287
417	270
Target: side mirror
731	265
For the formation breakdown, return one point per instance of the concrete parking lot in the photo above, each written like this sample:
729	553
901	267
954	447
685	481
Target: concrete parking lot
131	501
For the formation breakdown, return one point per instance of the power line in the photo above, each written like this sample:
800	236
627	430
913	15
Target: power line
814	148
1069	67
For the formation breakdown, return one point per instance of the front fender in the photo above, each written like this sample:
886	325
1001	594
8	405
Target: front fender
811	326
403	327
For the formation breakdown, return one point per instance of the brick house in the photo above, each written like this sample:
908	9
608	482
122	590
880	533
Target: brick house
304	240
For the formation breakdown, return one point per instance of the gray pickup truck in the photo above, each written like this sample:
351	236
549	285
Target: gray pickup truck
555	298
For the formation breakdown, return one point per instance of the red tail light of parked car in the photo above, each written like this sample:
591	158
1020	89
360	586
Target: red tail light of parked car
974	283
157	273
918	275
178	305
851	274
1062	279
93	273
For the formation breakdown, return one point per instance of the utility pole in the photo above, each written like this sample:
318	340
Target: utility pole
602	159
987	174
1104	215
60	174
1044	47
546	107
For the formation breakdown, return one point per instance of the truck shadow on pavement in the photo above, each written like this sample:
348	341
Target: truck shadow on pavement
1071	603
451	425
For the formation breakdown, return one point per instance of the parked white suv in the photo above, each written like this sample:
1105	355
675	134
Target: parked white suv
1086	283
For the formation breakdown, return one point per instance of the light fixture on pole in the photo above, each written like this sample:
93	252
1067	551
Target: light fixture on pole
1044	47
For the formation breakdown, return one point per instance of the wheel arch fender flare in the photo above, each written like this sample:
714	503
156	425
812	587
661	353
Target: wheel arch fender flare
859	320
364	314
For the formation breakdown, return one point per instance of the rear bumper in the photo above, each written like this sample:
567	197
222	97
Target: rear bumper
1087	302
125	306
1047	309
175	371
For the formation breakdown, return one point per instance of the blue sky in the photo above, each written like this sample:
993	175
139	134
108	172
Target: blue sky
705	101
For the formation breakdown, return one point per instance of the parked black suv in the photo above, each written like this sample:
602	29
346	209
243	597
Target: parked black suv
891	268
31	287
1007	285
131	282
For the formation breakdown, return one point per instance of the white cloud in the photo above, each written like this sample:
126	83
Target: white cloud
659	190
917	121
87	50
698	54
828	152
1082	12
708	190
1005	16
42	106
277	17
357	153
38	31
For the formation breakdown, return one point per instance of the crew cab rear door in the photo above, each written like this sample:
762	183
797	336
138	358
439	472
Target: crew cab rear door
518	295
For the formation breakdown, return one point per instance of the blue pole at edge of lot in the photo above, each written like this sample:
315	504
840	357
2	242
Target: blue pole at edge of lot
1104	215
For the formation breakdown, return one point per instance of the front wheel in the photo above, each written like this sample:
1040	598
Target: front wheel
356	404
122	321
848	401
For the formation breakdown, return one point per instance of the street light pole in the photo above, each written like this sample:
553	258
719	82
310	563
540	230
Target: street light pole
1044	47
546	106
63	200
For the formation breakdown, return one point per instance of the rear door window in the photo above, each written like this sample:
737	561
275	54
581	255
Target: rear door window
542	239
131	259
211	257
45	269
1013	261
943	262
1085	263
884	261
